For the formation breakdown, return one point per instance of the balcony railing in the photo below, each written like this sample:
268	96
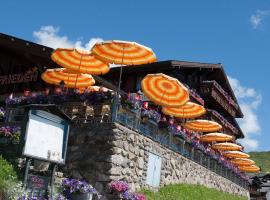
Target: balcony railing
210	88
225	123
180	142
192	92
224	93
103	109
195	96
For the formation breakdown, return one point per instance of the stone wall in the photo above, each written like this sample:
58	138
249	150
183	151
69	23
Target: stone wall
89	154
112	152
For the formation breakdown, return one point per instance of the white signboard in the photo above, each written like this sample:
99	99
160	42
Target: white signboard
45	137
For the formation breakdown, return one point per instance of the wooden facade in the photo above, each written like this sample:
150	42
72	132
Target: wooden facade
22	62
205	80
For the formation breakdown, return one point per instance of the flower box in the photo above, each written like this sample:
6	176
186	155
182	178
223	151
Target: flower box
82	196
78	189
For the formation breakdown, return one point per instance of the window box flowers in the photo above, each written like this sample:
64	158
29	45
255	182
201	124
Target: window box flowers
78	189
119	186
9	135
122	188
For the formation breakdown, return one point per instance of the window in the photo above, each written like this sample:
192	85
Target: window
153	170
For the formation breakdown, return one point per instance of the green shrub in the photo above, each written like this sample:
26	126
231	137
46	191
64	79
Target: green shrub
8	177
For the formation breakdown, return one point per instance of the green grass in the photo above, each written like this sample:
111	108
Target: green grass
189	192
262	159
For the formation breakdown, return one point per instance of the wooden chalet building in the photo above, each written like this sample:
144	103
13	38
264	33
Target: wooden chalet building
118	145
207	82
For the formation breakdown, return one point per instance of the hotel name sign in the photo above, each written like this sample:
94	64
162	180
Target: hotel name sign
29	76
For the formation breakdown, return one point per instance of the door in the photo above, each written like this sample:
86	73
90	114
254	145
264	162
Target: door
153	170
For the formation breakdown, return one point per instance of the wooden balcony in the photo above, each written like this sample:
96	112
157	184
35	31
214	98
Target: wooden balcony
216	98
195	97
228	127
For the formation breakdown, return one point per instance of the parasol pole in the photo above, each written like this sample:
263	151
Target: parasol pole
121	69
116	99
79	70
120	77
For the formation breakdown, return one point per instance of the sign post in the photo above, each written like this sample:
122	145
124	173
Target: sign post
46	137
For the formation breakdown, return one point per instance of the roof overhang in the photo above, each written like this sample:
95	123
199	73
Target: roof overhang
31	51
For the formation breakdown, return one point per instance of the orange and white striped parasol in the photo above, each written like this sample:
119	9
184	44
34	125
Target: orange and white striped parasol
203	125
242	161
251	168
188	110
70	78
79	61
215	137
164	90
227	146
235	154
123	52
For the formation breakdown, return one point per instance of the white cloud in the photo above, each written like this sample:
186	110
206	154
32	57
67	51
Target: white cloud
250	123
49	36
250	144
249	100
244	94
257	18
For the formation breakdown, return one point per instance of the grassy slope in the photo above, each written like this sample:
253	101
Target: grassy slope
262	159
189	192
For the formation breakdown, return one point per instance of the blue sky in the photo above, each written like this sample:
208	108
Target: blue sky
234	33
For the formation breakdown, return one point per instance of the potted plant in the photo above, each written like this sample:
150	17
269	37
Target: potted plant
9	134
4	133
78	189
122	188
118	186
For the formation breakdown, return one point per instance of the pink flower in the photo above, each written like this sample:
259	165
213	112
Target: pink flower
141	197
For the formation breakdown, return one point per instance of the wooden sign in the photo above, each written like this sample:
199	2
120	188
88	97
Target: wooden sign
46	137
29	76
37	186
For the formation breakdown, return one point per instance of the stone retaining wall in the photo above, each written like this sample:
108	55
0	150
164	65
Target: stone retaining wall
108	152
